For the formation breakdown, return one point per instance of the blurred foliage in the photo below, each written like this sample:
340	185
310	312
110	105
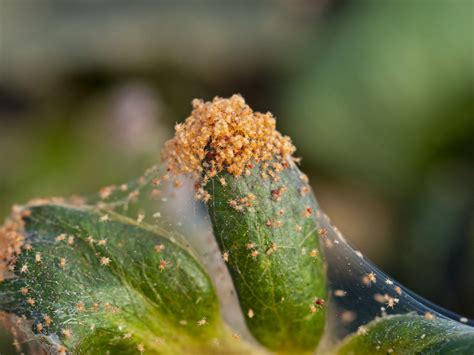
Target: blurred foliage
388	94
378	97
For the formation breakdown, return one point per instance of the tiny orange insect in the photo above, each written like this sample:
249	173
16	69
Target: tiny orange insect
62	263
104	261
163	265
319	302
47	320
159	248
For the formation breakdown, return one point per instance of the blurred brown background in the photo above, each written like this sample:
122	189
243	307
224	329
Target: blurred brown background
377	96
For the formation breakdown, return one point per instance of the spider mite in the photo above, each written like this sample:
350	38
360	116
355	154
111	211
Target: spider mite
307	212
319	302
369	279
276	194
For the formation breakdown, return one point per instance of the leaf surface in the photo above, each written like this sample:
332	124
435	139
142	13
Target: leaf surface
92	284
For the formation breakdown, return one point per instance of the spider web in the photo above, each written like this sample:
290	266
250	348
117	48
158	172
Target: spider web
359	291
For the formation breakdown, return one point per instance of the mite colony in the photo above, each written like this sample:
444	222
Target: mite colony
225	135
11	242
12	239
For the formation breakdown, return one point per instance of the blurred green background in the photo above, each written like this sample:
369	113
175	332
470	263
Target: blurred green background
377	96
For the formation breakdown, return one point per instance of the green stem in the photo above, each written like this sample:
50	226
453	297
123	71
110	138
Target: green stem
266	230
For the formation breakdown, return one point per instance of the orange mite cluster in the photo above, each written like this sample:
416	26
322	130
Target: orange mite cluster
225	135
242	203
11	241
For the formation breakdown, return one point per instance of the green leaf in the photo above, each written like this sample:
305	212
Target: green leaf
112	285
410	334
266	231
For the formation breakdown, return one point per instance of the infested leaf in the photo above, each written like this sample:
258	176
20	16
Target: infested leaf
94	281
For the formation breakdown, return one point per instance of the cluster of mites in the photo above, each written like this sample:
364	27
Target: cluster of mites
12	239
267	171
224	135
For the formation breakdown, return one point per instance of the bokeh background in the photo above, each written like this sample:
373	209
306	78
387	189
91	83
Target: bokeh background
378	96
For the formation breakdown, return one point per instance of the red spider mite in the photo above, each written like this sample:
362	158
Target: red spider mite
319	302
